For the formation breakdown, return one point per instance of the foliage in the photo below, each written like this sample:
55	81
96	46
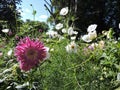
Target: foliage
88	12
9	13
72	65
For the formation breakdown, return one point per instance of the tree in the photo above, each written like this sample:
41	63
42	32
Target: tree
8	12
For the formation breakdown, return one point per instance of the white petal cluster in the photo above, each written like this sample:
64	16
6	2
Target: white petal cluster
71	31
64	30
52	34
5	30
64	11
92	34
59	26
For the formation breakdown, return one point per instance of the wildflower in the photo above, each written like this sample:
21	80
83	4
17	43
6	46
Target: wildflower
73	38
64	11
9	52
70	31
52	34
59	26
118	76
5	30
91	28
30	53
72	47
64	30
101	44
86	38
75	32
93	46
92	35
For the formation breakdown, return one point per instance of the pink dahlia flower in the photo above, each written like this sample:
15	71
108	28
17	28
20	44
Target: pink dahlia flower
29	53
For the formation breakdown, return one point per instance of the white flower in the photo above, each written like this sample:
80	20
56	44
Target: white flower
64	30
92	35
94	45
75	32
101	44
9	52
52	34
47	53
5	30
73	38
59	26
70	31
91	28
118	76
72	47
64	11
86	38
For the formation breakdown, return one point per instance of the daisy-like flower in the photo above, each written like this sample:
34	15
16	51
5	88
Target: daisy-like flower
59	26
91	28
5	30
64	11
72	47
30	53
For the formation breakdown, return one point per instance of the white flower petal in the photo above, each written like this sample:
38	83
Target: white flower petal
64	30
91	28
9	52
59	26
86	38
92	35
5	30
64	11
70	31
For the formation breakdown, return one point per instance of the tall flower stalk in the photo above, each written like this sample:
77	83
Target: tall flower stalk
34	12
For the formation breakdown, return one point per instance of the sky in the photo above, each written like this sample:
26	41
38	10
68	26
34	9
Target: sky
38	5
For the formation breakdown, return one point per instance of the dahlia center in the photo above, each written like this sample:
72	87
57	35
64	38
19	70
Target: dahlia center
31	54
